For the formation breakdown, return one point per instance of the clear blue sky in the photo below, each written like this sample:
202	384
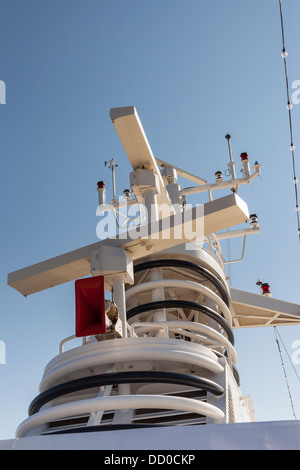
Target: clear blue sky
195	70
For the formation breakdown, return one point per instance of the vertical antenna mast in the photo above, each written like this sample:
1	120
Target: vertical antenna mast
112	167
231	164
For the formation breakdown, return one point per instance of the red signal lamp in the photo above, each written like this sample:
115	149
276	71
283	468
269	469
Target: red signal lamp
265	288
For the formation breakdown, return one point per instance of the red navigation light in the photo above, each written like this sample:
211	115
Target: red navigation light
100	185
265	288
90	306
244	156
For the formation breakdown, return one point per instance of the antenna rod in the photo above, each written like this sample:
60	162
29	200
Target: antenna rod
228	137
112	167
231	164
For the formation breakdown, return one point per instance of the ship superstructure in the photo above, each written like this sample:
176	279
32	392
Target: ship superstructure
154	308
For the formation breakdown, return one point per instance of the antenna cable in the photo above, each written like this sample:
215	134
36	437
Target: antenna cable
284	371
289	106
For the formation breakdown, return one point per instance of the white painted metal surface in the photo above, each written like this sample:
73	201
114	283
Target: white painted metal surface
181	172
253	310
104	355
118	403
273	435
216	215
176	312
134	140
185	284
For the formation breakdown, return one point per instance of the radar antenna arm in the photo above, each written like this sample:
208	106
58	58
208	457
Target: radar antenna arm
137	148
222	184
216	215
183	173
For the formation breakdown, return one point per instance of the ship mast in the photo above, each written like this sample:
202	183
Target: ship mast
161	350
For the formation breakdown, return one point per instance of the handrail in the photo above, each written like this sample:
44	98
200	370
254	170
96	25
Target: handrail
151	325
183	304
185	284
119	402
112	378
242	256
69	338
178	263
185	328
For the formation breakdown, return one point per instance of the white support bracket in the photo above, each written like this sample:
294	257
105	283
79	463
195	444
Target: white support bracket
142	180
111	262
233	183
257	310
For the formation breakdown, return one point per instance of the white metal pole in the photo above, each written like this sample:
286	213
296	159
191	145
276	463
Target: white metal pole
231	164
151	204
119	299
157	295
